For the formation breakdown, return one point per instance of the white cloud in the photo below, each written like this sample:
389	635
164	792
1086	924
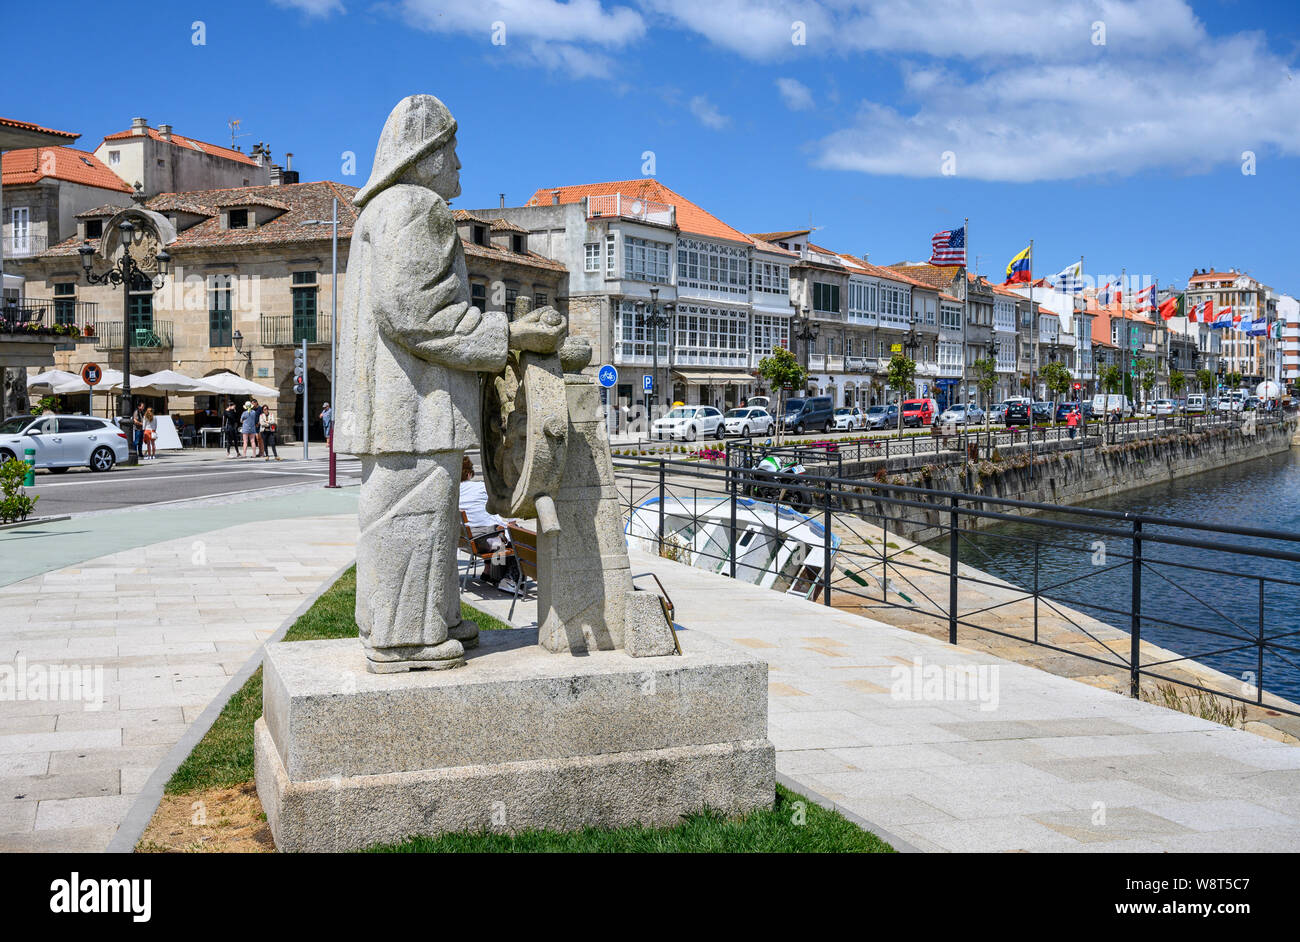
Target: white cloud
576	62
795	94
707	113
575	22
313	7
1044	121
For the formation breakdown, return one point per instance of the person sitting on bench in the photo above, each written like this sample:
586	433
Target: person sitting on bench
488	531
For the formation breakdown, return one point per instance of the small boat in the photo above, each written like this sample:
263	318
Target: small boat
776	547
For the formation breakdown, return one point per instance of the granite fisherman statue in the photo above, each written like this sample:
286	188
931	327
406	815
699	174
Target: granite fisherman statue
412	355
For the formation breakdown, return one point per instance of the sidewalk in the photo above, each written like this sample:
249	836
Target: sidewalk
1053	765
167	620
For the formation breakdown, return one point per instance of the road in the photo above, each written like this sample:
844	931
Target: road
174	478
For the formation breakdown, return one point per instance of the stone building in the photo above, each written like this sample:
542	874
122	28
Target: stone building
162	161
251	281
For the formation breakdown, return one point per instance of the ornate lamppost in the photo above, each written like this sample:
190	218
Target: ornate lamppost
806	329
127	273
655	319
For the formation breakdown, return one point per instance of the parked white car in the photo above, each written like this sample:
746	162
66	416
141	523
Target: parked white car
63	441
688	423
850	417
961	414
1162	407
748	421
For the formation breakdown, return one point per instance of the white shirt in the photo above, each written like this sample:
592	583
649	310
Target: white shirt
473	500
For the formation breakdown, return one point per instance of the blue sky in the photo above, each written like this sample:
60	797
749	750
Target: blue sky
1128	151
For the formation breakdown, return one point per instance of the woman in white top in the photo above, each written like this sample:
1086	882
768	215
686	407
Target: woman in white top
150	434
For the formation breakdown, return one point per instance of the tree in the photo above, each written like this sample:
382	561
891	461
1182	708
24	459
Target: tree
902	372
1233	380
986	378
1146	373
1057	378
782	371
1111	378
1205	380
1177	381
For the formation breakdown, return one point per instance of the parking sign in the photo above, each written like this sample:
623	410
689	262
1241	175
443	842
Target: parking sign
648	383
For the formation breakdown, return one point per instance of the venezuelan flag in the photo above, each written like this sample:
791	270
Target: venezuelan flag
1019	267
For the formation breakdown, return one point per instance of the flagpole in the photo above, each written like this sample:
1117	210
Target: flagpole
1123	338
1033	367
1078	339
965	314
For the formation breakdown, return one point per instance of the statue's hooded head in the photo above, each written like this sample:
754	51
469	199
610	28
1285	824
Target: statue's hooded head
419	127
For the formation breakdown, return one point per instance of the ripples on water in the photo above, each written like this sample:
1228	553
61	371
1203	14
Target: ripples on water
1263	493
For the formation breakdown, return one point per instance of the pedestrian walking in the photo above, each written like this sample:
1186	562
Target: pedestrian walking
150	436
327	420
137	426
266	426
1072	420
248	429
230	429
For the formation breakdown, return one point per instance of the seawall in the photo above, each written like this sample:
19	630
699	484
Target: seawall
1061	474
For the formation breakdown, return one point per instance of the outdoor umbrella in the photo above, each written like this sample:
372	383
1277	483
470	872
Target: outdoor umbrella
49	379
232	385
171	383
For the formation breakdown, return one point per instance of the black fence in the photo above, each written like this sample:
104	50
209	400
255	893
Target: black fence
1223	596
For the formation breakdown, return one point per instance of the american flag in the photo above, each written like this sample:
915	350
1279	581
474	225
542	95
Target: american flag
948	247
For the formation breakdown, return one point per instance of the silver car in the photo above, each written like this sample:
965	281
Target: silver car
61	442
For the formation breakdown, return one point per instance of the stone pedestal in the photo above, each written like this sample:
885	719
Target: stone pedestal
519	738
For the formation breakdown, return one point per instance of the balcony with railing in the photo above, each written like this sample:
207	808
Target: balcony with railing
23	246
859	364
817	361
618	206
289	330
157	335
64	319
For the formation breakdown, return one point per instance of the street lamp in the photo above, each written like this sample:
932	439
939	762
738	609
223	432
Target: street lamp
237	338
654	319
333	222
127	273
806	329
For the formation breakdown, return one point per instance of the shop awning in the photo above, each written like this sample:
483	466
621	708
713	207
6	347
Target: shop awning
704	378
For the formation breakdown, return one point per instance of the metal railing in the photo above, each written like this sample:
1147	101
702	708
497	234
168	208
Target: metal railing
288	330
74	320
1219	594
158	334
24	246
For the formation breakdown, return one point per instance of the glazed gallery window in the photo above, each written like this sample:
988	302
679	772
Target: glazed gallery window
591	256
633	337
864	296
770	277
610	269
705	336
770	332
950	316
304	306
712	267
220	333
895	304
644	260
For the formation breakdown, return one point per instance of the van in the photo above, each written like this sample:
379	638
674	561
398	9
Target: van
917	412
1196	402
802	415
1104	404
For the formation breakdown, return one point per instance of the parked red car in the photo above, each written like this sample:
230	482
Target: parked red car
917	412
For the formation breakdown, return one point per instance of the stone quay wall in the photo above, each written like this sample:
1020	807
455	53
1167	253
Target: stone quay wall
1058	473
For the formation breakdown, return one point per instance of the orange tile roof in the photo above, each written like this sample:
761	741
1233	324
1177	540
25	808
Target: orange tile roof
778	236
179	140
882	271
936	276
1215	276
690	217
29	126
33	164
764	246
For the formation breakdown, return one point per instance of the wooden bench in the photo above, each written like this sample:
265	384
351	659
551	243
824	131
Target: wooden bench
476	556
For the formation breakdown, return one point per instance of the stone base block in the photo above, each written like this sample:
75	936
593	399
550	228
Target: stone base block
518	738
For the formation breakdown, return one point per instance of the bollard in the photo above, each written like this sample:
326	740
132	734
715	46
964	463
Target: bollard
29	459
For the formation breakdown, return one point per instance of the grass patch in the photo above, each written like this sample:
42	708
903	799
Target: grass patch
224	757
771	831
220	771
